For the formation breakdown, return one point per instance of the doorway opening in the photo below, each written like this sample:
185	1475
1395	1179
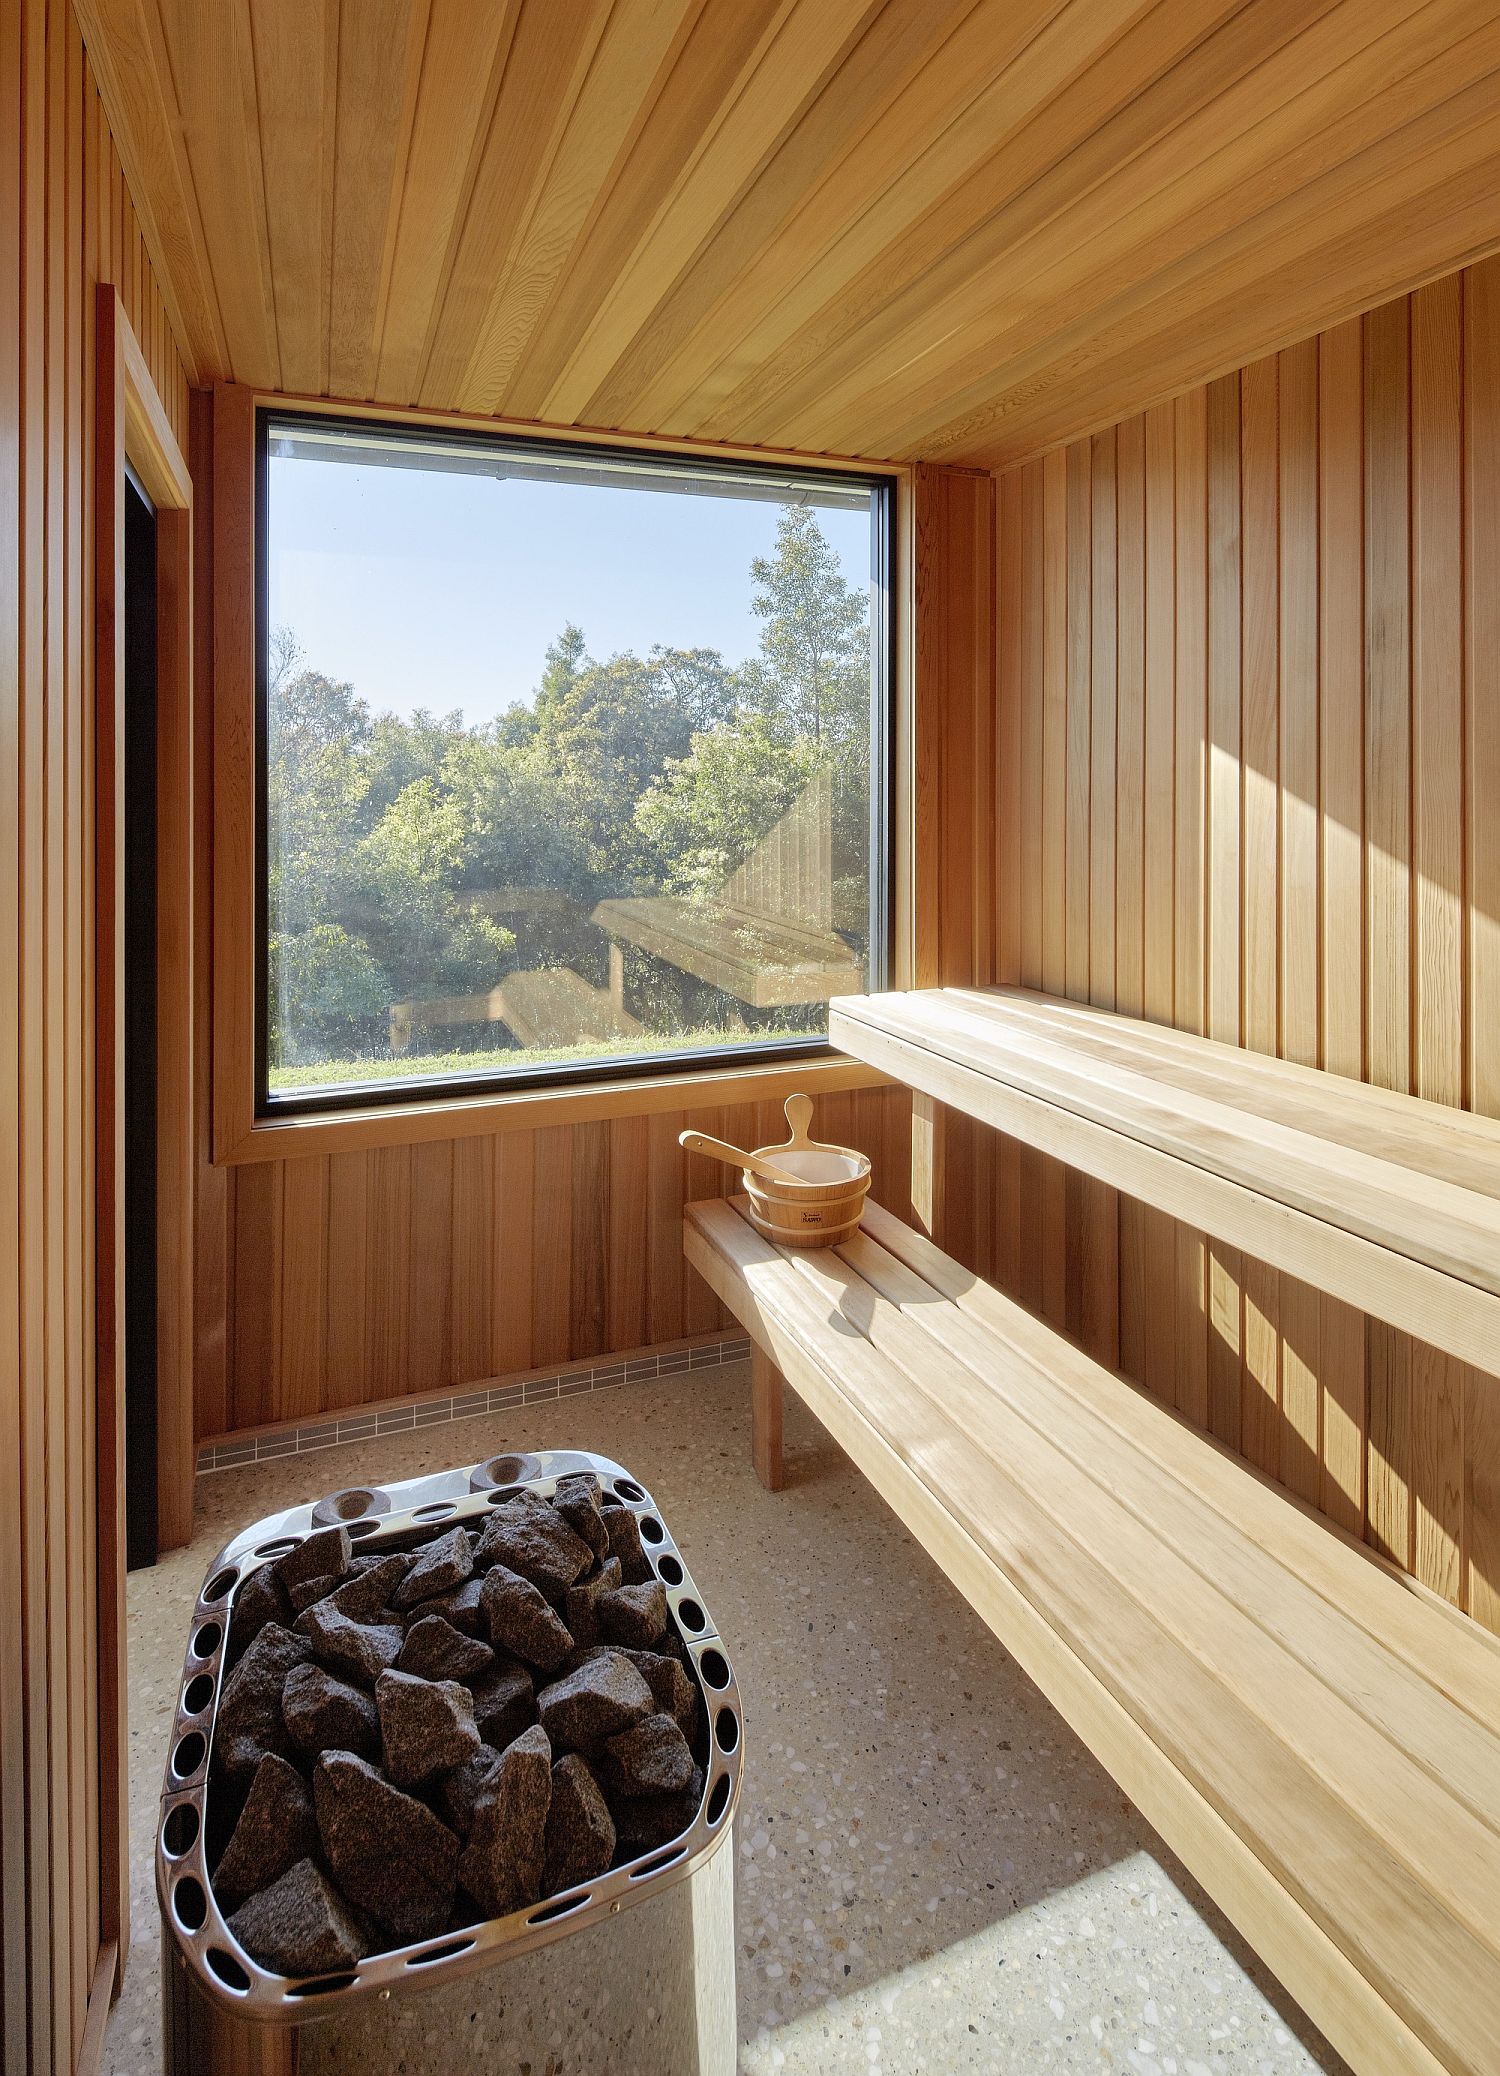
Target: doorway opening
139	991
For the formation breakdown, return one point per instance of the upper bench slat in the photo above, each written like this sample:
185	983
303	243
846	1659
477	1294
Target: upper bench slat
1386	1201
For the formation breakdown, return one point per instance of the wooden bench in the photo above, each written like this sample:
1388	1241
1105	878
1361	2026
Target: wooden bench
1316	1736
1385	1201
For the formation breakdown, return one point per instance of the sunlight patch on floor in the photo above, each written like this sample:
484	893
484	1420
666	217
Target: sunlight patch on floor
1116	1972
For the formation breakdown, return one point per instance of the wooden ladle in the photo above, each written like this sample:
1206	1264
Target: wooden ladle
736	1157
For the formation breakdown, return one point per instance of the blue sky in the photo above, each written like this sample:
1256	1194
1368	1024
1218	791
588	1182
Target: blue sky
443	590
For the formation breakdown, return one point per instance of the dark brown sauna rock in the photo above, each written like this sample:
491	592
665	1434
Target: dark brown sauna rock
261	1599
581	1602
520	1620
672	1687
577	1500
299	1926
365	1597
530	1539
393	1859
303	1595
324	1714
580	1839
359	1651
624	1530
276	1829
504	1703
501	1865
462	1788
250	1721
461	1607
438	1568
325	1554
650	1758
643	1822
634	1615
594	1702
435	1650
426	1726
306	1591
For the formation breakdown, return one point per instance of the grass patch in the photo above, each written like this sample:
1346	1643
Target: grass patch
427	1066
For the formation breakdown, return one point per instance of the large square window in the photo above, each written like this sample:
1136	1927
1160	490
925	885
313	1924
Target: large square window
572	760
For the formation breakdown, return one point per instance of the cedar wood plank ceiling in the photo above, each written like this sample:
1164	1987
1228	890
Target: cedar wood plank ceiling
958	230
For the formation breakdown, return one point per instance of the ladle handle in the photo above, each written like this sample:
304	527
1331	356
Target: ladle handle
735	1156
799	1117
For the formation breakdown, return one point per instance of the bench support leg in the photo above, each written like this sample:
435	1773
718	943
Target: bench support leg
766	1393
929	1164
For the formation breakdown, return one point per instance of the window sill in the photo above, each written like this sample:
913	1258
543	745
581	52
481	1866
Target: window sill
407	1123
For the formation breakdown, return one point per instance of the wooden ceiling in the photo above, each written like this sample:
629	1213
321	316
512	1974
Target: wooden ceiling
950	229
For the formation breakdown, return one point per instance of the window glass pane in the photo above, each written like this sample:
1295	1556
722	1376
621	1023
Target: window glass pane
569	757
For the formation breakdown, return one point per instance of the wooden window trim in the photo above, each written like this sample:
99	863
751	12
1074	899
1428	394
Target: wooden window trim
239	1135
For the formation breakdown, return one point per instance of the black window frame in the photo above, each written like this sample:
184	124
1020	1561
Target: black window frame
392	1093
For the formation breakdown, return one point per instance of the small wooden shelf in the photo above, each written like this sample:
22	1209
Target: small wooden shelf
1384	1200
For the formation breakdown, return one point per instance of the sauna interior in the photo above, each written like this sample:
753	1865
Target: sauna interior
572	571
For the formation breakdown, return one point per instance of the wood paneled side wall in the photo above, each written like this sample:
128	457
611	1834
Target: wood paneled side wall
66	223
1249	667
373	1273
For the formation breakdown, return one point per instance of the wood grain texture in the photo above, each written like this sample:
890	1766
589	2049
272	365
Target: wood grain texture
1368	1197
364	1276
1334	885
66	225
952	232
1339	1726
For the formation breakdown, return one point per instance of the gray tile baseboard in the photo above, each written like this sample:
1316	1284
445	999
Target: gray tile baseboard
359	1423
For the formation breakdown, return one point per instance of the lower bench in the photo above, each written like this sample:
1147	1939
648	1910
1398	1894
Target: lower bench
1316	1736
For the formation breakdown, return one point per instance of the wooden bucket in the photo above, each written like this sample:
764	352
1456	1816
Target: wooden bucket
824	1208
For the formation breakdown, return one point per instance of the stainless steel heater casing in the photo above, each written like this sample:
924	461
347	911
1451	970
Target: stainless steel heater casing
194	1924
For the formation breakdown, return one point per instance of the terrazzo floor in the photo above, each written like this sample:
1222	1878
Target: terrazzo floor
933	1874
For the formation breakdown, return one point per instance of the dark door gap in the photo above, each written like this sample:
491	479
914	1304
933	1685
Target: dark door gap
140	1027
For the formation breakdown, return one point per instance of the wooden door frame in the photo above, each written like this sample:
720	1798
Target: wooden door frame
131	424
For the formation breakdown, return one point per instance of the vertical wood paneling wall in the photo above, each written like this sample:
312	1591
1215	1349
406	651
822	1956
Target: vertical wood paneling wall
65	223
953	926
369	1274
1248	774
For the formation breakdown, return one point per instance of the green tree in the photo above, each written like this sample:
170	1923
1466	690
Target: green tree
707	810
399	752
327	994
324	985
812	676
424	935
612	729
516	831
566	661
316	782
